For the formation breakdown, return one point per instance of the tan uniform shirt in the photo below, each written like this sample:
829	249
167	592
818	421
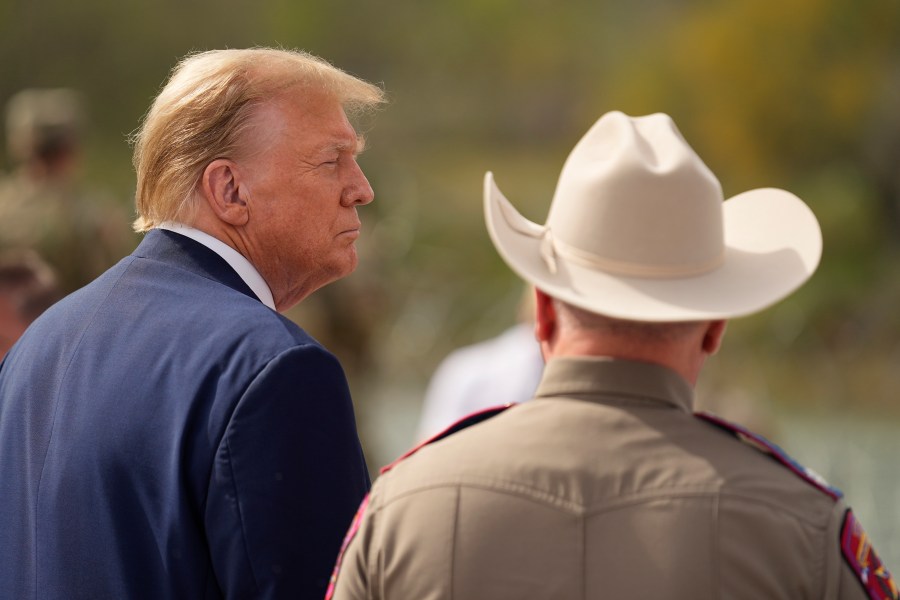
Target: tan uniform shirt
604	486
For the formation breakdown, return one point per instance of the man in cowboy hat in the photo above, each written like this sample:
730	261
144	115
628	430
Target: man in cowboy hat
606	485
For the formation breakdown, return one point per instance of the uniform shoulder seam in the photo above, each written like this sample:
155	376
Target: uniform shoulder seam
772	450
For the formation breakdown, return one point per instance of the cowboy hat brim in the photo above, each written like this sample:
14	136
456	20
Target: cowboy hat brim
772	246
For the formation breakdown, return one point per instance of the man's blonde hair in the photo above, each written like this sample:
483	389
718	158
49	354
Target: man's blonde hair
205	108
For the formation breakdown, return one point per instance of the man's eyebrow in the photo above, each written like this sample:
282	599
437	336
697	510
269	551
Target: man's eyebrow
356	147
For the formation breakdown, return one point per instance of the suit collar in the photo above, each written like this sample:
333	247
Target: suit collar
185	253
235	259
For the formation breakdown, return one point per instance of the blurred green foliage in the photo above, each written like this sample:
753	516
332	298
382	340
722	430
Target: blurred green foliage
800	94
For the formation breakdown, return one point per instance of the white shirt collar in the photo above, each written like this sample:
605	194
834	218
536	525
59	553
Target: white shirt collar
235	259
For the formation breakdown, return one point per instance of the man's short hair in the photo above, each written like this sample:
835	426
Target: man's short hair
206	107
642	331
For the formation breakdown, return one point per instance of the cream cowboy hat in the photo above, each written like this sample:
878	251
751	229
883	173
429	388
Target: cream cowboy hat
638	230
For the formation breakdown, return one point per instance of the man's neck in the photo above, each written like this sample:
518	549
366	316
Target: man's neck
683	357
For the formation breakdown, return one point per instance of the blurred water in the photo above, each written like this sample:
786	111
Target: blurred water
857	456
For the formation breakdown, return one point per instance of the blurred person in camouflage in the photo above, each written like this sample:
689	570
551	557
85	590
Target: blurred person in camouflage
44	206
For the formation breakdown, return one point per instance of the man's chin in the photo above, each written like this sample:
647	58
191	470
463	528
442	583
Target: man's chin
352	261
340	269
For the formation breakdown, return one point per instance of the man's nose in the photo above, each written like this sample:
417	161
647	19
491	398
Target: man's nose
358	191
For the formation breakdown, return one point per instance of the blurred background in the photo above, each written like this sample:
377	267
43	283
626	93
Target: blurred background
799	94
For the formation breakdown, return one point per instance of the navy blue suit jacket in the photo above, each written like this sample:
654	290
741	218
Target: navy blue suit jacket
163	434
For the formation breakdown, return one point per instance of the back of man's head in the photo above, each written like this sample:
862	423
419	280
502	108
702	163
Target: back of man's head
573	318
204	111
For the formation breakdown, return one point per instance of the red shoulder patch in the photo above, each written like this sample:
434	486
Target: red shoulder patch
763	445
473	419
351	533
861	556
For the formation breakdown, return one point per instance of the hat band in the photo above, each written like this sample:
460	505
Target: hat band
551	248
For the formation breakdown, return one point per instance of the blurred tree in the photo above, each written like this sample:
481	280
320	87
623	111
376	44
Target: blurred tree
772	91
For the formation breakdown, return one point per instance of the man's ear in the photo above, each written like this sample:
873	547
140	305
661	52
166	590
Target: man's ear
221	184
544	316
712	338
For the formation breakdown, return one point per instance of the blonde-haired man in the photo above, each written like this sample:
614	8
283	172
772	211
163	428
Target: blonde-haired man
165	432
606	485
